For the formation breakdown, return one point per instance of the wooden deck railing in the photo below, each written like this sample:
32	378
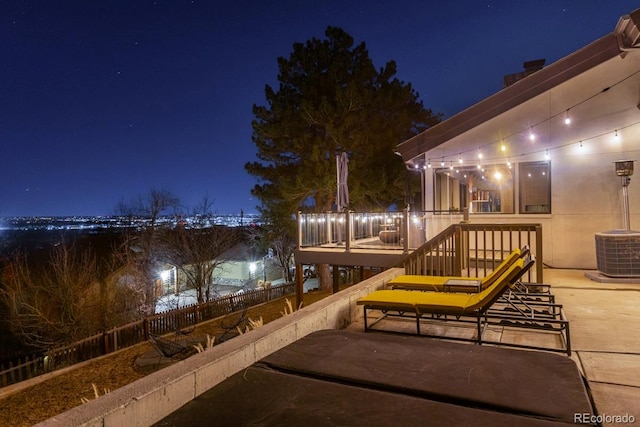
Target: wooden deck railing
351	229
134	333
473	249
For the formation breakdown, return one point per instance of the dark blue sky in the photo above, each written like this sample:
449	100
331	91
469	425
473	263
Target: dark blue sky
106	100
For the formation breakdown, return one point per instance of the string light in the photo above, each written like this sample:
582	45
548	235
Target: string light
546	154
451	165
580	144
442	162
567	120
429	165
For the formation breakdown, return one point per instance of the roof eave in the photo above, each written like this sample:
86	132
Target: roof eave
533	85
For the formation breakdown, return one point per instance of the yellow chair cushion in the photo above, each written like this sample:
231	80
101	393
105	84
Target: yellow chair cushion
440	302
436	283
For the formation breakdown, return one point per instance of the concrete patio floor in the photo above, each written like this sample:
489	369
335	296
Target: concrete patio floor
605	336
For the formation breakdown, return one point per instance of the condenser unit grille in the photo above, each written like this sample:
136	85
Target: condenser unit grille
618	253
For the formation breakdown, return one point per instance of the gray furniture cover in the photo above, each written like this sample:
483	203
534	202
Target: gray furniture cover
332	378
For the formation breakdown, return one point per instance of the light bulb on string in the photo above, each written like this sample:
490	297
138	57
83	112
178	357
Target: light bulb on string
442	162
532	136
460	158
546	154
429	164
451	165
567	119
616	134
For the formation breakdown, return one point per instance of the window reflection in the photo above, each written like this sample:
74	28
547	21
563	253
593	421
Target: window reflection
488	189
535	187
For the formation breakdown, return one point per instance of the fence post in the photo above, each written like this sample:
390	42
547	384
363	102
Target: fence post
145	328
405	230
105	342
27	364
347	231
299	215
539	259
299	286
457	239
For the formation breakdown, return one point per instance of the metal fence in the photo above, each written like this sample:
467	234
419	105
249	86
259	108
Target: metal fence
136	332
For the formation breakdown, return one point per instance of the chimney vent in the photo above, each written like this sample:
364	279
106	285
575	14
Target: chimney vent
530	67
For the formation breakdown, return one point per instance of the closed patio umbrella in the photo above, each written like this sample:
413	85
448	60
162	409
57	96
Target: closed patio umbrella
342	166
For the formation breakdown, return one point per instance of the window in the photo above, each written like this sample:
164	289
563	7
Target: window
489	189
535	187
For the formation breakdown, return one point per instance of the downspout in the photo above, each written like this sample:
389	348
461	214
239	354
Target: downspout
627	31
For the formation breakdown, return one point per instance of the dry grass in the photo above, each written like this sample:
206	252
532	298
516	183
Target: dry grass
61	393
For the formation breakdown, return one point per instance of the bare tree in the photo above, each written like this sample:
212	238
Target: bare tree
154	204
132	281
195	249
277	235
281	243
196	253
50	304
126	210
146	248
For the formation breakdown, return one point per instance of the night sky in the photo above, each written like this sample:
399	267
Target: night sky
106	100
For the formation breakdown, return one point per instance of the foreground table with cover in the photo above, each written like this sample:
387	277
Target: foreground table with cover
346	378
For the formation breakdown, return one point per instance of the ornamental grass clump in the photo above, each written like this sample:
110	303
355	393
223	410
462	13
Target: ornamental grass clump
95	392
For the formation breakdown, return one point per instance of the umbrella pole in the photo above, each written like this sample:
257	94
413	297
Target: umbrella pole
338	182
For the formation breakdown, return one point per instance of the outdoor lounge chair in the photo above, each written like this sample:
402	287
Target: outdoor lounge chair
170	349
477	308
455	283
526	291
233	324
441	303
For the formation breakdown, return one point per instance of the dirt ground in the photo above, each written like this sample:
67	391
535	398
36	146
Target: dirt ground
61	393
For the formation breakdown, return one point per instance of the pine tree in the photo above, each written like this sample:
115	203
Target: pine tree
331	99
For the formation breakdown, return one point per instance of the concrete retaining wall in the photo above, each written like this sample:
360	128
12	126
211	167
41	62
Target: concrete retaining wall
155	396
